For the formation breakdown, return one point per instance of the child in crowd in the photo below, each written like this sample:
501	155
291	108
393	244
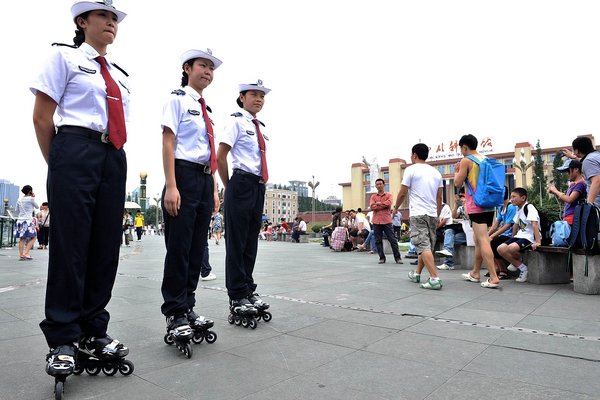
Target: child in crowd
526	233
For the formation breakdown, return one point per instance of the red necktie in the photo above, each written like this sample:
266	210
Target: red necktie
116	117
211	136
263	155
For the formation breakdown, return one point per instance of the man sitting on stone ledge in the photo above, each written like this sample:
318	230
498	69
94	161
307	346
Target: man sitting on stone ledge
454	234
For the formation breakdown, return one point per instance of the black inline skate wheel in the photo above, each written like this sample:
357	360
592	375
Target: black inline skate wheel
187	350
211	337
230	318
126	368
77	370
168	340
109	370
245	322
198	338
267	316
237	320
92	370
252	323
59	389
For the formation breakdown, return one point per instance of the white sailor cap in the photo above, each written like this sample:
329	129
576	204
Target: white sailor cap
81	7
206	54
254	86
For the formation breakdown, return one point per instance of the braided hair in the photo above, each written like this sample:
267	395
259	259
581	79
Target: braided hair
184	76
79	33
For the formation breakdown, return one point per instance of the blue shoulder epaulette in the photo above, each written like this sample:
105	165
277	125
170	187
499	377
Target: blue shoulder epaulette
260	122
237	114
64	44
208	109
178	92
120	69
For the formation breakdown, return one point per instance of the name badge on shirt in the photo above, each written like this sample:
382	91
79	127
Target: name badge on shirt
87	70
265	137
250	132
194	112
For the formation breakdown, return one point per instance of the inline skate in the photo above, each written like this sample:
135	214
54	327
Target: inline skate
179	333
102	354
242	312
261	307
201	327
60	363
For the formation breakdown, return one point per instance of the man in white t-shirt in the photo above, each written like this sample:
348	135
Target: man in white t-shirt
526	233
425	203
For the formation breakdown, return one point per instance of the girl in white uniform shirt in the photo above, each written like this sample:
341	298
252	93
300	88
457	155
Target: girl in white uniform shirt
190	194
244	196
86	184
25	228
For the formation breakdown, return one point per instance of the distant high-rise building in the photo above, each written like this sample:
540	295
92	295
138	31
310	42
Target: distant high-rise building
299	187
10	192
332	200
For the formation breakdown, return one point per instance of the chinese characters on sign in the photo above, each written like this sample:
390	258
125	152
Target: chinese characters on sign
450	149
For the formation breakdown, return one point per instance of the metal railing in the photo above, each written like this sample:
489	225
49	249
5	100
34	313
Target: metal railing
7	231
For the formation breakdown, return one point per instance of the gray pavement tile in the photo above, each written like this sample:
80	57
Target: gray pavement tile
483	316
486	305
17	329
465	333
561	325
473	386
313	387
353	335
418	306
567	306
438	351
551	371
218	376
551	344
381	320
6	316
117	387
291	353
381	376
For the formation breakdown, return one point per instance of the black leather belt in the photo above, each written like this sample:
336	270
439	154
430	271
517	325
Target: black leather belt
84	132
189	164
258	179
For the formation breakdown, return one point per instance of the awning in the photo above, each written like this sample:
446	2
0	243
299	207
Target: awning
129	205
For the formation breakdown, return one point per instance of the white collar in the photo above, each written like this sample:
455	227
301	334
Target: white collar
192	92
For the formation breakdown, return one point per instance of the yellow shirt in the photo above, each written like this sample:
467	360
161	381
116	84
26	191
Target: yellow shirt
139	221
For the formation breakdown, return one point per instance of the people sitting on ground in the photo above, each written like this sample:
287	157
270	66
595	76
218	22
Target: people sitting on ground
444	219
336	220
526	233
369	242
360	230
576	191
501	231
299	230
454	233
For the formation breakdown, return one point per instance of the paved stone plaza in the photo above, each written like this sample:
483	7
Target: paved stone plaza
343	328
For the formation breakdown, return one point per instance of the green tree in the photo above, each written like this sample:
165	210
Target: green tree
539	190
559	177
150	215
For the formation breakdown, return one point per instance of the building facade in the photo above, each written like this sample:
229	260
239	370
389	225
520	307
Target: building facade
9	194
280	203
299	187
519	173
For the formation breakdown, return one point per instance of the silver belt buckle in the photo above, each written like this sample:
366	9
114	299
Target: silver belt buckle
104	138
207	170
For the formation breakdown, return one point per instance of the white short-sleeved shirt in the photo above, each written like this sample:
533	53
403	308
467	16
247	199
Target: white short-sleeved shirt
423	181
182	114
25	207
362	218
524	223
445	214
72	78
240	134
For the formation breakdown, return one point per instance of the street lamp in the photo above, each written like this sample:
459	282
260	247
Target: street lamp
313	185
143	176
523	165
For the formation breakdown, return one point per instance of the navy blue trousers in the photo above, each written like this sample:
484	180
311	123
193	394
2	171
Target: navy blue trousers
186	238
86	191
243	206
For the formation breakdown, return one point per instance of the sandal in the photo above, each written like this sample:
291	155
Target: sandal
503	276
469	277
489	285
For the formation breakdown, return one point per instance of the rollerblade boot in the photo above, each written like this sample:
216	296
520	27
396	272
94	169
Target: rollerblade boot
179	333
261	307
102	354
201	327
242	312
60	363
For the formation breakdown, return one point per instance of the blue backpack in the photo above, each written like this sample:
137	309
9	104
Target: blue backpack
490	185
560	232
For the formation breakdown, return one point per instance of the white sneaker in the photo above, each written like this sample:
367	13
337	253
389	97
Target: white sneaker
522	277
444	267
209	277
444	252
512	268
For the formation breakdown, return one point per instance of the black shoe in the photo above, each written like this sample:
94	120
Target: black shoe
399	260
103	348
61	360
414	262
382	261
199	322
